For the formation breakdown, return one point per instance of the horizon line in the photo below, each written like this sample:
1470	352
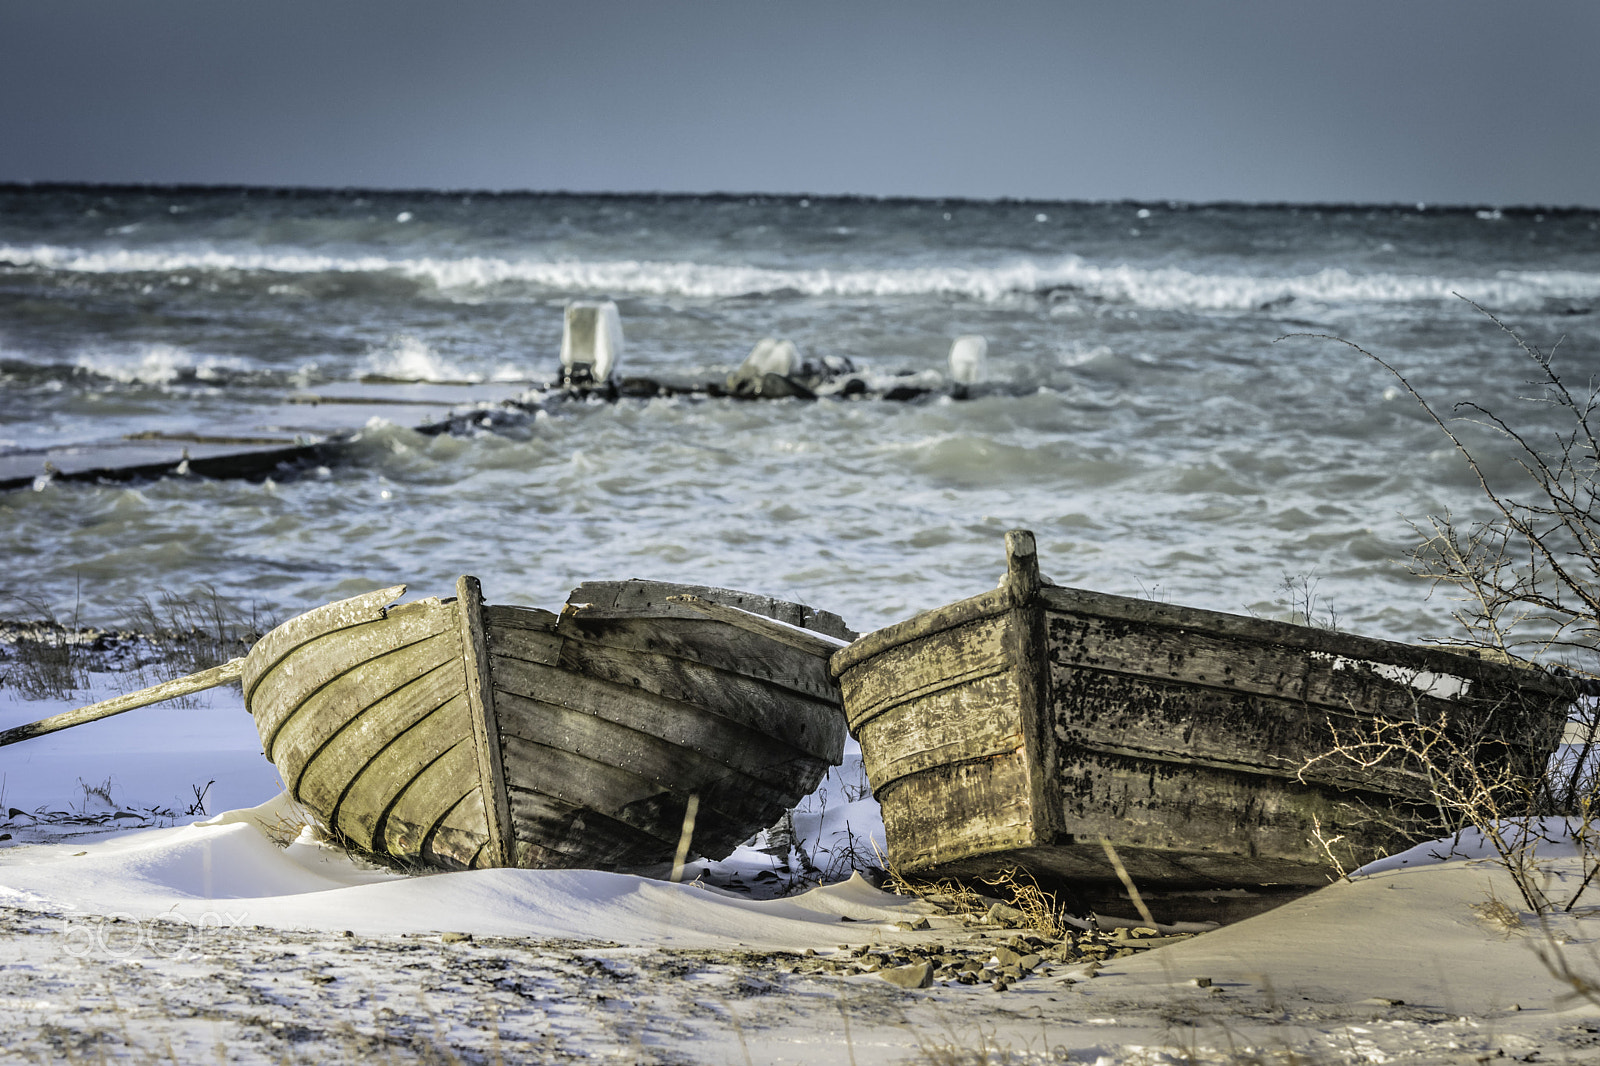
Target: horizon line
1413	207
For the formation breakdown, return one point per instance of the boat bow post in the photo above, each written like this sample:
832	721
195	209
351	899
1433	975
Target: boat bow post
485	728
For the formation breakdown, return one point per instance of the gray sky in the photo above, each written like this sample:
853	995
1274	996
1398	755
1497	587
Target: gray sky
1365	100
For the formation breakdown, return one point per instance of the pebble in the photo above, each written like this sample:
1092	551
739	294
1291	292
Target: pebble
915	975
1006	915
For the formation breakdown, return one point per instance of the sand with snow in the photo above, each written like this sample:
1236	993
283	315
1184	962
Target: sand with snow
238	937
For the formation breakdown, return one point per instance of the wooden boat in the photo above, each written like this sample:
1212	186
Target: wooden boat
1025	726
456	734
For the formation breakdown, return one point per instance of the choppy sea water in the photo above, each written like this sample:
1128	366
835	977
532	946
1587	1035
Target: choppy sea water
1153	430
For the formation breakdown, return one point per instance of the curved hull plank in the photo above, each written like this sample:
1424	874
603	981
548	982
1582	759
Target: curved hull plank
1026	725
359	716
454	734
438	815
277	693
614	713
369	751
284	640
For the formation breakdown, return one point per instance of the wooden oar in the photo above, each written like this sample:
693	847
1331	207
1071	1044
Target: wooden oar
217	675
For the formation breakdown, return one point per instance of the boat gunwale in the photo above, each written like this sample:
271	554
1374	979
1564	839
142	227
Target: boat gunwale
287	638
1065	599
1521	674
921	626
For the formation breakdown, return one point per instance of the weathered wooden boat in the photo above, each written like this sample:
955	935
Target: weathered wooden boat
456	734
1025	726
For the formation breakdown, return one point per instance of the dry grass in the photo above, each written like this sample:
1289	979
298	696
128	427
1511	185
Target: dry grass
167	637
1494	911
44	658
1043	911
187	634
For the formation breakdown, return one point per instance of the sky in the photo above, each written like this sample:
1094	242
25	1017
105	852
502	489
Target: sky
1464	101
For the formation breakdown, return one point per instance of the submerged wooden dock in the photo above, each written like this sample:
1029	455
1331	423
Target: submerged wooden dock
299	430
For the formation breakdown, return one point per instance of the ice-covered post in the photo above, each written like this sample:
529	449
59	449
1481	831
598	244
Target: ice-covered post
967	354
591	343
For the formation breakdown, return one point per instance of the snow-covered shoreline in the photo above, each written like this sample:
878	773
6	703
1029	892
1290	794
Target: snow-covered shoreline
240	937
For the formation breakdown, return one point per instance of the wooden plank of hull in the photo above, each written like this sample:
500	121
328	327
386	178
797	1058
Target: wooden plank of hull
1193	825
567	684
731	775
1266	632
335	783
651	809
966	651
551	834
278	691
1172	722
959	810
271	649
378	786
740	786
631	721
1398	686
376	691
715	644
635	598
808	725
526	628
414	825
808	641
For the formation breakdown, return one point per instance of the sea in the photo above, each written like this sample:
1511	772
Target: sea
1167	402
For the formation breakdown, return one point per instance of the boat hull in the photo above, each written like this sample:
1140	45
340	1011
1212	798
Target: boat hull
454	734
1027	726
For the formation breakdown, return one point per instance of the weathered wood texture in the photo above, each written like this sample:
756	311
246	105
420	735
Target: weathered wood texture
485	726
1031	722
803	639
654	599
615	713
365	713
167	690
455	734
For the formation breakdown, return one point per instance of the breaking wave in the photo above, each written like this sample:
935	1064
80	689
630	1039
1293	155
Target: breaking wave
1164	288
410	358
156	364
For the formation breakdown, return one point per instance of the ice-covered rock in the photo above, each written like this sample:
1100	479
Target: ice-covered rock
769	370
591	343
772	355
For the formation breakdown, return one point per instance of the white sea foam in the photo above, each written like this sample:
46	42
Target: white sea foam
1152	287
409	358
152	364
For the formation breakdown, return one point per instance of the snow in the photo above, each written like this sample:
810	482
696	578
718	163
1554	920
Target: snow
243	930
